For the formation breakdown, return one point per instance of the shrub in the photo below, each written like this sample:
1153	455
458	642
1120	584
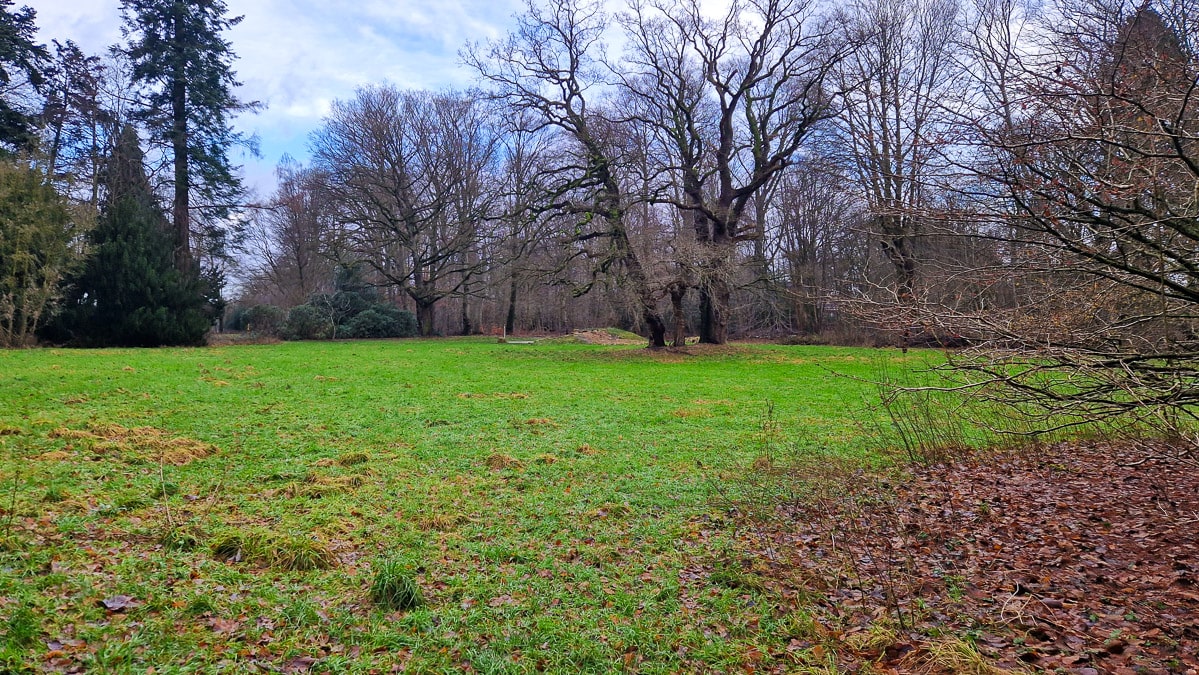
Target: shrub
371	324
264	319
306	322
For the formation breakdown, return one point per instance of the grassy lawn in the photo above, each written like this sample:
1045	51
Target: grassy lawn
163	507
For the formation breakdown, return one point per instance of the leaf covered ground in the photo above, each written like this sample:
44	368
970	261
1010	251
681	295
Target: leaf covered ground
1075	558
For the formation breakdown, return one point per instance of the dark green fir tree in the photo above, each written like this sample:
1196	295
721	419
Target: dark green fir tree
130	292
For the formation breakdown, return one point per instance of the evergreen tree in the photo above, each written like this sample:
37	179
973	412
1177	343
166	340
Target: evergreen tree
21	64
178	52
37	235
130	293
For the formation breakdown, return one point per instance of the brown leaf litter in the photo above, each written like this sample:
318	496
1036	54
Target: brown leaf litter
1075	558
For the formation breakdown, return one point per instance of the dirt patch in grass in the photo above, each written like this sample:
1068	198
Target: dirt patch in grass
137	444
1080	558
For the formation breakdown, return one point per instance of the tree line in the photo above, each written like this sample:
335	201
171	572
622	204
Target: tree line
1018	178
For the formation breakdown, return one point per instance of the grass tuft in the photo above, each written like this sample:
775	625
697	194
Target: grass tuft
22	626
499	460
137	445
268	549
182	538
300	554
394	589
352	458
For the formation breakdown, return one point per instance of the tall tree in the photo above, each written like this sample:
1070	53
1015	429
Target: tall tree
180	55
548	68
21	64
405	169
130	292
37	232
898	86
732	101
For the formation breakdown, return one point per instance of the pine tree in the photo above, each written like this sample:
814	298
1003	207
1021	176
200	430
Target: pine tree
178	52
130	293
21	64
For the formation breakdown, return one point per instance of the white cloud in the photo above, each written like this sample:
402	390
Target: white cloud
297	56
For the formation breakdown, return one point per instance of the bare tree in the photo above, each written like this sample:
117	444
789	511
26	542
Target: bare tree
899	84
1085	177
733	100
549	66
286	240
406	170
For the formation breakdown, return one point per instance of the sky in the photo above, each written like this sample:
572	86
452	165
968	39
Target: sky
298	56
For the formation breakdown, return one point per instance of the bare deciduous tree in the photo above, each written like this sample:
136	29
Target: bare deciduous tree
407	171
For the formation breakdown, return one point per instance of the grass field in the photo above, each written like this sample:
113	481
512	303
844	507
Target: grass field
221	509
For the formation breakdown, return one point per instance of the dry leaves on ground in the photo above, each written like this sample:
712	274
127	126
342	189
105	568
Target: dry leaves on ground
1079	558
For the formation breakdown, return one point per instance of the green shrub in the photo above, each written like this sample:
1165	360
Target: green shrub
264	320
306	322
370	324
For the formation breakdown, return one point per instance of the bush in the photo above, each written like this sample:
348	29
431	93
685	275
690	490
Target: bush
306	322
380	321
370	324
264	319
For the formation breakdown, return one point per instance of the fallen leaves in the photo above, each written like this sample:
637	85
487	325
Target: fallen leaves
119	603
1080	557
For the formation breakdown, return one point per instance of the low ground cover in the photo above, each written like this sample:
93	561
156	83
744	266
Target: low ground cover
230	509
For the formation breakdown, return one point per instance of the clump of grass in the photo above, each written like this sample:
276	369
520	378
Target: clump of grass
393	588
731	573
499	460
269	549
610	510
236	547
22	626
352	458
138	444
55	494
954	655
441	522
300	554
684	413
182	538
54	456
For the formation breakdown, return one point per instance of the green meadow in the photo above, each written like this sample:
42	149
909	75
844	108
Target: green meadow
559	507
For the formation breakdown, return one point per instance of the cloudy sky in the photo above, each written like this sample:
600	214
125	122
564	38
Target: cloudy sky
297	56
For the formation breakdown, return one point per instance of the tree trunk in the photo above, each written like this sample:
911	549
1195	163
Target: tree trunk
657	328
425	317
510	321
714	307
468	328
181	211
677	293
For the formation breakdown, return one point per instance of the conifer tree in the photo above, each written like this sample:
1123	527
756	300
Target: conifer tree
130	293
179	54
